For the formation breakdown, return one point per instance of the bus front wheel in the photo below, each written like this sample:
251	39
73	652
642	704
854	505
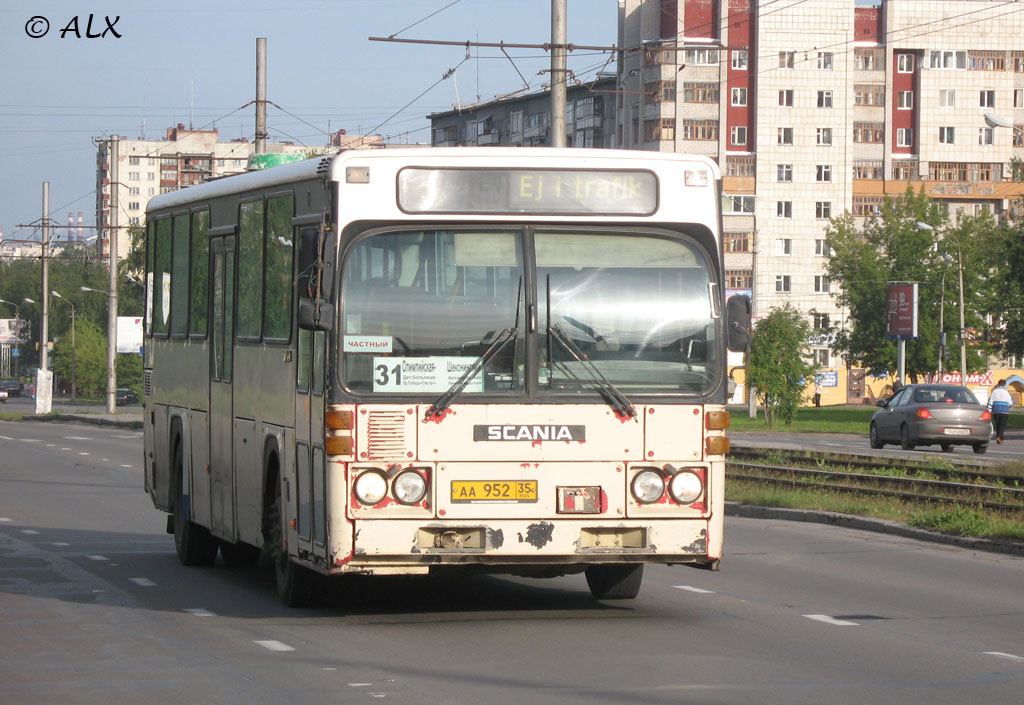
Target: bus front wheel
295	585
615	582
192	542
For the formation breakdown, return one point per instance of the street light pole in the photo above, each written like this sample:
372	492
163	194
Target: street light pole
74	381
963	336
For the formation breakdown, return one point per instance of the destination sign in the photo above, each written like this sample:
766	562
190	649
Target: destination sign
538	191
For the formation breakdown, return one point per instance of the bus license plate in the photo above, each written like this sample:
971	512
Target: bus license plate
513	491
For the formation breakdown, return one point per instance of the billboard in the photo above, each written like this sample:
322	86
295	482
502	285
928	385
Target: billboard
8	331
901	311
129	334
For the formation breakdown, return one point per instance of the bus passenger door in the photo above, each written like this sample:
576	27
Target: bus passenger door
222	510
310	466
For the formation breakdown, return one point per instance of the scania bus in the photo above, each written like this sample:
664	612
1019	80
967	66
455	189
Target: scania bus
416	361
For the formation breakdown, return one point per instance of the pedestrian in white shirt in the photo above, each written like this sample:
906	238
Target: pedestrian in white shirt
999	403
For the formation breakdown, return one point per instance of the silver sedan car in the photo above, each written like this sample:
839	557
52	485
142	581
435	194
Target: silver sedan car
932	414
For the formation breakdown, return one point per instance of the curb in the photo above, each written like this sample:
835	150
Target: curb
881	526
95	420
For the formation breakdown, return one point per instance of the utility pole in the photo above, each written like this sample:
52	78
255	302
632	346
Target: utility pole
261	95
558	71
112	259
44	334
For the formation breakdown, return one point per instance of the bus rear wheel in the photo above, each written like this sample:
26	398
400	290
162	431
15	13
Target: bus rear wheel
296	586
192	542
615	582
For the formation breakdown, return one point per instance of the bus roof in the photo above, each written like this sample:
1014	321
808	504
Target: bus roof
520	157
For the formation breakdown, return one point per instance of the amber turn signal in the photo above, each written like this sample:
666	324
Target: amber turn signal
338	420
718	445
338	445
716	420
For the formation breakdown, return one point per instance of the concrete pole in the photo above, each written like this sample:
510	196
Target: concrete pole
44	328
261	95
558	72
963	333
112	259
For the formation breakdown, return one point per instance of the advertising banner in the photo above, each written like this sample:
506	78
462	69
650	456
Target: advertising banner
901	311
129	334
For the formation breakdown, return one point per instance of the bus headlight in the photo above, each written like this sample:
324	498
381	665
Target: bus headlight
371	487
685	487
648	486
409	487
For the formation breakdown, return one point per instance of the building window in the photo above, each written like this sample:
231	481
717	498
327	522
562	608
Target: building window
740	59
782	283
947	135
1018	97
905	100
824	99
824	173
663	129
784	172
739	97
986	60
987	99
868	169
133	176
738	135
700	92
784	209
947	98
739	279
821	357
659	92
948	60
820	284
1018	135
824	136
867	205
905	63
985	135
821	248
822	210
869	59
904	137
825	60
785	135
134	160
700	129
740	204
784	247
868	94
737	242
787	59
134	206
786	98
905	170
736	165
699	57
820	322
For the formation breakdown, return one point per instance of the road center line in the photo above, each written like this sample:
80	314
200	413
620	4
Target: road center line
1008	657
143	582
690	588
831	620
274	645
98	557
199	612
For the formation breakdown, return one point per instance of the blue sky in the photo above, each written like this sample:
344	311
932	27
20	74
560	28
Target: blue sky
194	63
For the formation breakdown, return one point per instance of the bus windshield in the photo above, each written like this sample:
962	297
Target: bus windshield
420	308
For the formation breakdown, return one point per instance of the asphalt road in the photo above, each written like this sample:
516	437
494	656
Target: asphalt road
94	608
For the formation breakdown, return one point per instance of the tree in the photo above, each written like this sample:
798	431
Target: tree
90	358
894	246
777	370
1004	258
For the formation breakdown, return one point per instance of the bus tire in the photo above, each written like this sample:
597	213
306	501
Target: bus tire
239	554
615	582
296	585
192	542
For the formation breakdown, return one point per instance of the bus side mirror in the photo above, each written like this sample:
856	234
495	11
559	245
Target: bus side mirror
738	323
316	315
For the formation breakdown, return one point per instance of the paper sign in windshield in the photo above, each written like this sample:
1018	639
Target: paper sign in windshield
366	344
423	374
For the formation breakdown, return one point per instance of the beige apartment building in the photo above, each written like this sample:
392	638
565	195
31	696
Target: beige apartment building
818	107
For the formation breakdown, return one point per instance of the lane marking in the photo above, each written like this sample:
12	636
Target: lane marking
1008	657
30	440
65	449
127	466
61	543
359	685
7	438
5	519
98	557
691	588
274	645
143	582
78	438
29	531
83	454
199	612
831	620
51	445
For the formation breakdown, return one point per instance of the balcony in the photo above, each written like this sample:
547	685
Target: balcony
537	131
489	138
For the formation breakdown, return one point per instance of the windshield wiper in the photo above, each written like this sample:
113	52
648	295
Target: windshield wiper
622	407
438	408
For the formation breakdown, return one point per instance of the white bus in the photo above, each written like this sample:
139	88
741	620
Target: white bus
417	361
